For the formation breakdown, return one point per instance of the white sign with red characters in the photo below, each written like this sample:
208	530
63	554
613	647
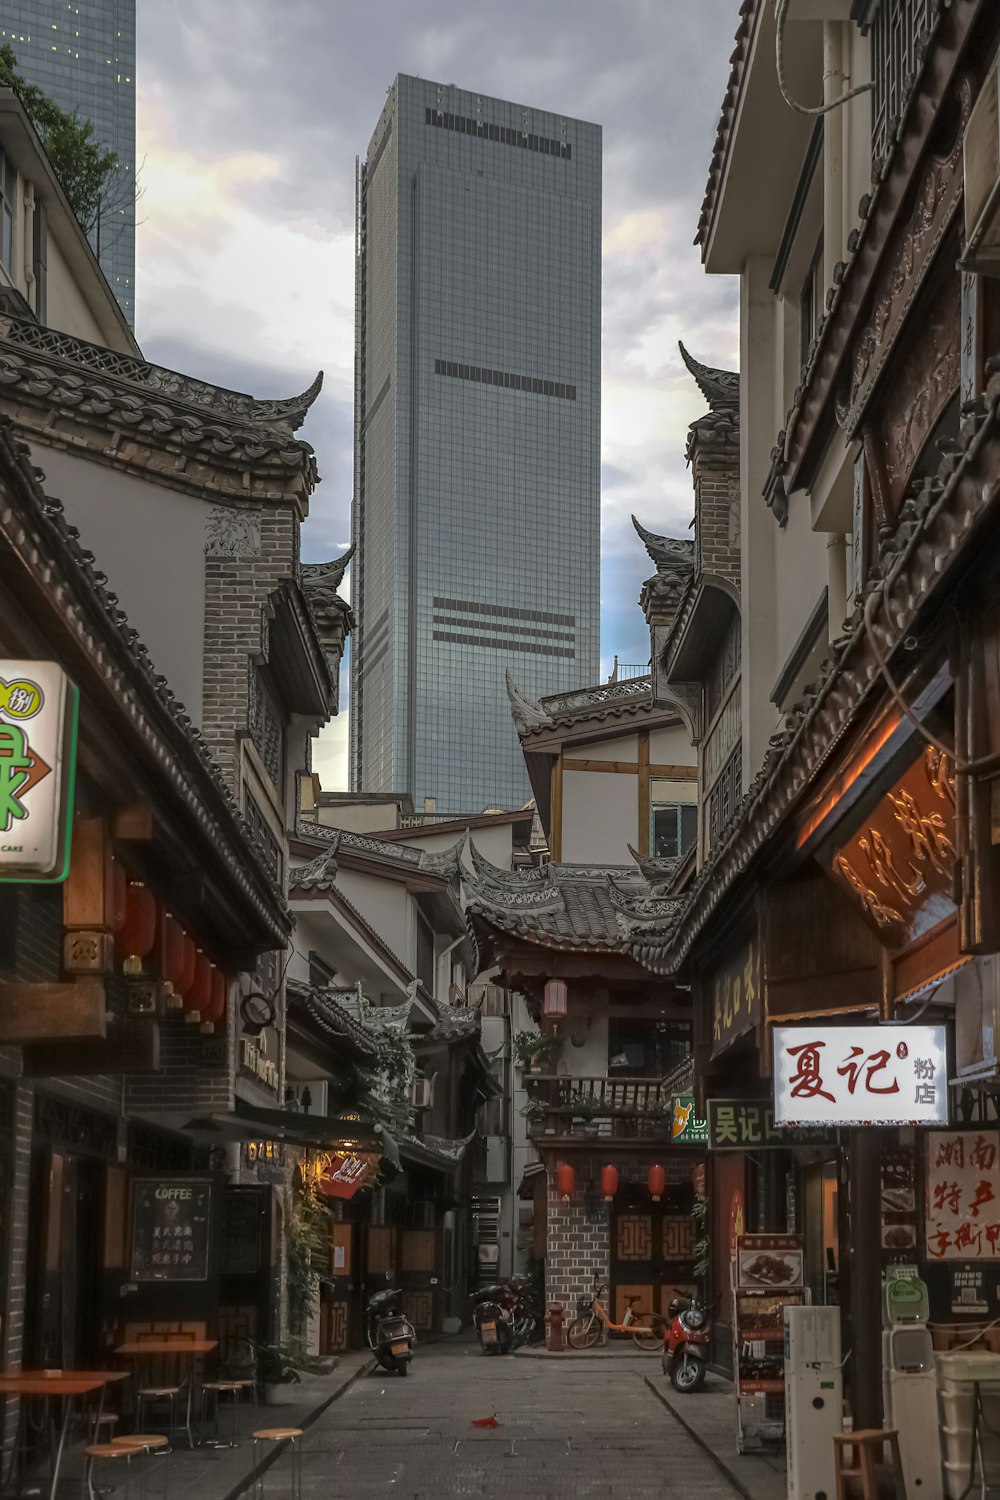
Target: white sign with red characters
860	1075
962	1212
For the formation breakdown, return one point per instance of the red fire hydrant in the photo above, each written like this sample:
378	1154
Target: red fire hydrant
554	1337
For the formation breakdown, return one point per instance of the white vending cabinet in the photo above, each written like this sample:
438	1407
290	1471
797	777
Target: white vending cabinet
909	1387
814	1399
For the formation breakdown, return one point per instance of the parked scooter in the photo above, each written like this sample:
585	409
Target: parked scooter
391	1336
687	1344
525	1318
491	1315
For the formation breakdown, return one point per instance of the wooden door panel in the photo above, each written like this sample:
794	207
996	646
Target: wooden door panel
417	1253
380	1250
645	1292
418	1306
634	1237
678	1237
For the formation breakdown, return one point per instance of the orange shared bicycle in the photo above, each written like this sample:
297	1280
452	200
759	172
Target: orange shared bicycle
647	1329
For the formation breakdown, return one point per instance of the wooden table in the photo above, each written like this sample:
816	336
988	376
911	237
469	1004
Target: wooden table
137	1348
64	1386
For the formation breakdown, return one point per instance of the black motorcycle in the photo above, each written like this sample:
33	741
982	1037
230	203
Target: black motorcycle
391	1336
492	1318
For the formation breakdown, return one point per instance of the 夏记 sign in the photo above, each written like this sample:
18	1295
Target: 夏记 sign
38	723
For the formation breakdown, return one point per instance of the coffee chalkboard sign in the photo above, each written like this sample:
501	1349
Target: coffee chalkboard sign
171	1228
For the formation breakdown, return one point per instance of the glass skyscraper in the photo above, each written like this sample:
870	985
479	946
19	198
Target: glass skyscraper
477	436
82	54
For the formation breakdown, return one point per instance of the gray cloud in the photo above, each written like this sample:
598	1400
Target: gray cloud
303	82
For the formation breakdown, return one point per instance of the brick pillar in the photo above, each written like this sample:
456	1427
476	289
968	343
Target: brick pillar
578	1243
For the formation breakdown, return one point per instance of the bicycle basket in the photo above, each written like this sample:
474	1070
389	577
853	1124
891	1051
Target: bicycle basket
583	1304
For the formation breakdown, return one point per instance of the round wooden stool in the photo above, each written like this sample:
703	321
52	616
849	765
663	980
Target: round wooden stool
236	1389
147	1443
287	1435
106	1453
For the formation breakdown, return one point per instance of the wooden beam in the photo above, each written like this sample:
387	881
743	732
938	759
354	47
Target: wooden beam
131	1048
87	893
133	823
643	809
40	1012
617	767
556	811
676	773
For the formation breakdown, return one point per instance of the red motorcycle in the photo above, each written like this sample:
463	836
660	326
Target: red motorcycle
687	1344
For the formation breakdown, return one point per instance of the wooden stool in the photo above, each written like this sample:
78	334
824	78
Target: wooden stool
869	1463
106	1453
147	1443
289	1435
159	1395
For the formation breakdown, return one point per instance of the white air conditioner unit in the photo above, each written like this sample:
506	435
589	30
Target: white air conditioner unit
421	1093
977	1018
981	151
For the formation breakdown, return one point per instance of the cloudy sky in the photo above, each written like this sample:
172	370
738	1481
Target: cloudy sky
250	116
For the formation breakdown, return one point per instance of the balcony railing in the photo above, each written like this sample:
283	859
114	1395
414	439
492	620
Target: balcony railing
603	1108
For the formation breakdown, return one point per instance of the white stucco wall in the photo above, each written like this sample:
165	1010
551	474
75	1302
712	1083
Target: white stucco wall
591	1059
600	816
150	542
800	574
624	747
672	747
65	306
388	906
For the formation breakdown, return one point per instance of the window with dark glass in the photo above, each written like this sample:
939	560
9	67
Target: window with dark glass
673	818
646	1048
8	197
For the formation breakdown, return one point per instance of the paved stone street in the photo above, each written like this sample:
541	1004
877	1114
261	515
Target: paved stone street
566	1429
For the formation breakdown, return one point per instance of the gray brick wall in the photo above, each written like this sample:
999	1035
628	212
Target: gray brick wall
578	1241
717	510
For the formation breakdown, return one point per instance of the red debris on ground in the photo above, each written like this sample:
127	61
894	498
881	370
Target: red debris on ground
485	1422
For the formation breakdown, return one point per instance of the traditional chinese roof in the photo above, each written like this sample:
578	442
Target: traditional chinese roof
571	906
443	864
149	408
333	615
439	1152
325	1008
738	61
720	388
943	521
102	642
609	700
458	1023
669	553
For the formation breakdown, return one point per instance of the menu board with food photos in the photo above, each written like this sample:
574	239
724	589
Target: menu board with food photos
768	1277
898	1204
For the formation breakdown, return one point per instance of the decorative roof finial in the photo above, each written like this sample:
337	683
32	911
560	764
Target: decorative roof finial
720	388
667	552
527	714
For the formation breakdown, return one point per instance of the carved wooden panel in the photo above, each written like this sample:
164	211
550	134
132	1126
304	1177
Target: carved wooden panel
335	1338
634	1237
899	866
340	1249
678	1237
924	378
419	1308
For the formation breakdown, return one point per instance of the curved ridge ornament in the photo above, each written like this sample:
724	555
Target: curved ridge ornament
526	713
719	387
670	552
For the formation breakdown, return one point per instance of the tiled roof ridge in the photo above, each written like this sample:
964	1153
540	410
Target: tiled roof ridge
738	58
63	543
842	686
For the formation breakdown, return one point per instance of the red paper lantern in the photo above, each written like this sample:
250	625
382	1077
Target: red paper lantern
556	1002
172	958
189	954
119	896
198	996
609	1182
138	932
215	1009
565	1180
657	1182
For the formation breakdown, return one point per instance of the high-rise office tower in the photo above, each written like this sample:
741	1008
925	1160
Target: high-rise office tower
477	436
83	56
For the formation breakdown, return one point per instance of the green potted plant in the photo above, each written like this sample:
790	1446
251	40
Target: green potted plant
534	1112
287	1375
529	1049
586	1109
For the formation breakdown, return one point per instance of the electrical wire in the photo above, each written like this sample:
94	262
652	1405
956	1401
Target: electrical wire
962	768
779	57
